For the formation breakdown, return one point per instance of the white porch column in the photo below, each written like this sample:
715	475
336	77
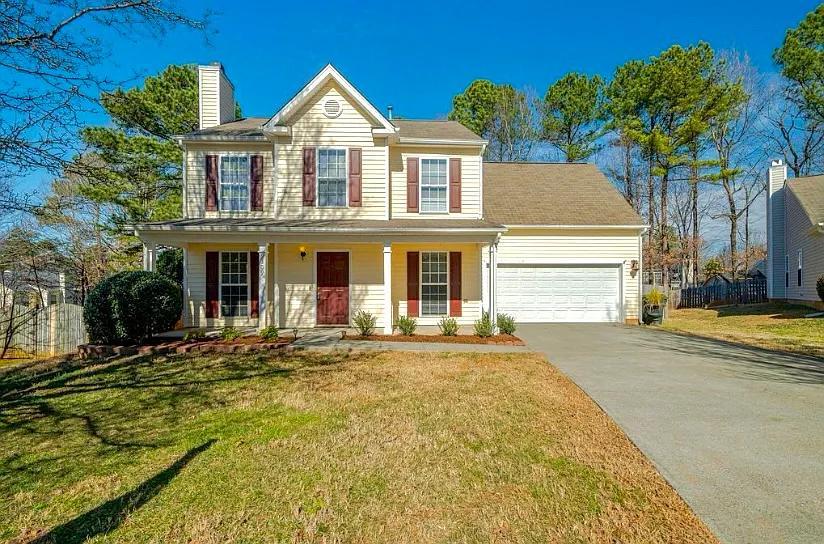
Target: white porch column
387	288
187	321
149	256
275	303
263	269
493	280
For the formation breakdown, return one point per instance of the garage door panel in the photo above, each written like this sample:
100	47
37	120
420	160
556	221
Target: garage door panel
542	293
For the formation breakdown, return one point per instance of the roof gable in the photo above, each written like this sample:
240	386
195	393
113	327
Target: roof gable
809	192
329	73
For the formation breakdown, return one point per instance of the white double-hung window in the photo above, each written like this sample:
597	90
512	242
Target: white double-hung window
331	178
234	183
234	284
434	186
434	286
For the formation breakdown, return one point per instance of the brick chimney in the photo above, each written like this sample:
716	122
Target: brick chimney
216	96
776	177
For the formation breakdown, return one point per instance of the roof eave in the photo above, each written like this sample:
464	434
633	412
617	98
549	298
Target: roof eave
441	142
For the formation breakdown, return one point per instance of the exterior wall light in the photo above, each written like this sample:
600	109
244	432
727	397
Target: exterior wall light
302	253
633	267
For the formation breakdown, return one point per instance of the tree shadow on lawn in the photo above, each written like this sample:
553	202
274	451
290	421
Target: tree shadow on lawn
59	426
109	515
774	311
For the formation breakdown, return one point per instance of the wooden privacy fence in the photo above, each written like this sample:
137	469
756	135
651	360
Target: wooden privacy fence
36	332
741	292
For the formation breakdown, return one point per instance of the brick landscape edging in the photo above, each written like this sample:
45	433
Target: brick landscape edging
93	351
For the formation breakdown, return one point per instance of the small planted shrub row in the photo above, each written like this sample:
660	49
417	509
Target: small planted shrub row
130	307
483	326
407	325
269	334
506	324
230	333
448	326
365	323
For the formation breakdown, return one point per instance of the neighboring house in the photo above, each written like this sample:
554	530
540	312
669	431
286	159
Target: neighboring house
329	207
45	289
795	236
758	271
717	280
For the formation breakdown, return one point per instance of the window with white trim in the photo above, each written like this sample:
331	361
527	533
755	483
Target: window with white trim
234	284
434	186
800	266
234	183
786	270
434	282
331	178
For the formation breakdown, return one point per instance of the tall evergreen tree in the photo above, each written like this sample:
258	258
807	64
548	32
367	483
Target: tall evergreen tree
573	115
801	58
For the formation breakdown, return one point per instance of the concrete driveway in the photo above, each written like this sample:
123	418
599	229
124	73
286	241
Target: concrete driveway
739	432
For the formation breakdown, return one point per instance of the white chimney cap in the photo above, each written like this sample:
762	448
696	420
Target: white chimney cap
777	162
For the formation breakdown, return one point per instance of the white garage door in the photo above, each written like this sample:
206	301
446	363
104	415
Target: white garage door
545	293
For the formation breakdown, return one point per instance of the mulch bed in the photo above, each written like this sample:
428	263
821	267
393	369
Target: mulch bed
500	339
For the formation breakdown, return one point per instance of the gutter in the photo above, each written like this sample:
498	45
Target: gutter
314	230
642	228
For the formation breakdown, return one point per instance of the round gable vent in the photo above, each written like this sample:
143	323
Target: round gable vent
331	108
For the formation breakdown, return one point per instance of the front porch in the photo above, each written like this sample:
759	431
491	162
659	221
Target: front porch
323	281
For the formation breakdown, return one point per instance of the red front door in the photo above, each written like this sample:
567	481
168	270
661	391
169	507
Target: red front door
333	288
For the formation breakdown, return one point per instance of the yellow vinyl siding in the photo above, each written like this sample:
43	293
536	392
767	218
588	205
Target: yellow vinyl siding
296	281
470	280
576	246
311	127
470	179
196	178
209	111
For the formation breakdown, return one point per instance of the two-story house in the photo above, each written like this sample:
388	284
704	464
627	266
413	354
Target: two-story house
795	236
329	207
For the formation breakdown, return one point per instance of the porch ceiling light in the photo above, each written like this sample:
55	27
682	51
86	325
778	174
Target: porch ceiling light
302	252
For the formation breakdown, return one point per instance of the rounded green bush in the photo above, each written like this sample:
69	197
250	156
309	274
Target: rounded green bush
130	307
170	264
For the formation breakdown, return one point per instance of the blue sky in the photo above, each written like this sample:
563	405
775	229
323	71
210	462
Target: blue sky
417	55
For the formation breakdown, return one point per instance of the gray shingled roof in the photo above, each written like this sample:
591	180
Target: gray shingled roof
306	225
810	194
248	128
553	194
434	130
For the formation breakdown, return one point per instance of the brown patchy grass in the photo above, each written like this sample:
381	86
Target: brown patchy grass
771	326
369	447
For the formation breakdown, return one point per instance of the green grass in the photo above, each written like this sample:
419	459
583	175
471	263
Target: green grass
771	326
308	448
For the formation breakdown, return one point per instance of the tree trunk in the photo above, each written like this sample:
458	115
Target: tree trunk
694	212
665	280
733	226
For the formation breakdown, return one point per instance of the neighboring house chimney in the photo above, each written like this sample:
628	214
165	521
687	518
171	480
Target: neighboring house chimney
216	96
776	177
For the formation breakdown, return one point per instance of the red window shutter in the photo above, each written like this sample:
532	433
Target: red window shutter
211	182
355	177
412	184
212	284
256	177
455	283
309	176
254	279
455	186
412	283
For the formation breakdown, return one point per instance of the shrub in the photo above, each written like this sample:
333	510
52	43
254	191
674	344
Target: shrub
130	307
655	297
819	286
195	334
506	324
230	333
365	323
448	326
170	264
269	334
407	325
483	326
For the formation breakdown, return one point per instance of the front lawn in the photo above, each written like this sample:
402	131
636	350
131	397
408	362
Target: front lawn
384	447
771	326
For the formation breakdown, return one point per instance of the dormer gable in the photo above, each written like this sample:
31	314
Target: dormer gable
280	122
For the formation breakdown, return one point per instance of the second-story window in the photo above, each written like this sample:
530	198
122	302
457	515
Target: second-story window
332	178
433	186
234	183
